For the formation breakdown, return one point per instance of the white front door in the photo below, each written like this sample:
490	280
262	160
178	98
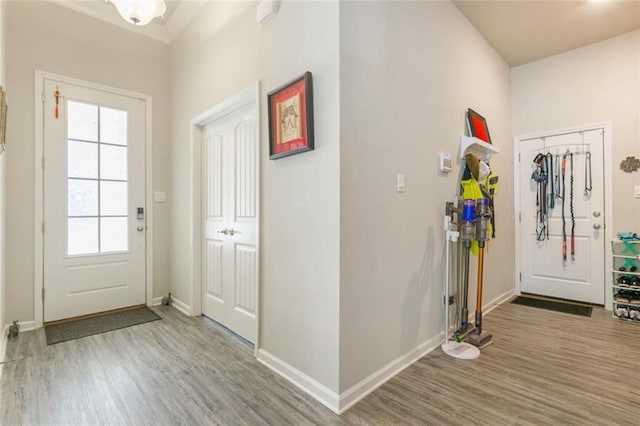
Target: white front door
94	201
229	264
544	272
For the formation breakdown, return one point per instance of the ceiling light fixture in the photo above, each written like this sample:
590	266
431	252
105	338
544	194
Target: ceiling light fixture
140	12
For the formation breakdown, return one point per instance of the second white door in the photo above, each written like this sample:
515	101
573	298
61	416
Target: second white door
544	271
230	206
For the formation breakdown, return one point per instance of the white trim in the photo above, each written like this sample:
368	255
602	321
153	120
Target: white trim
40	77
360	390
321	393
180	305
607	141
497	301
157	301
242	99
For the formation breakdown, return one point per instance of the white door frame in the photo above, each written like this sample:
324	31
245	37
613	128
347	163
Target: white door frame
608	199
248	96
38	282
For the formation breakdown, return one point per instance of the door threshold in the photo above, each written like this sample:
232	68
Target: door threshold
96	314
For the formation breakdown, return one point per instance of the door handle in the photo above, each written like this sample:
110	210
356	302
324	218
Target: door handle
140	228
229	231
596	214
596	226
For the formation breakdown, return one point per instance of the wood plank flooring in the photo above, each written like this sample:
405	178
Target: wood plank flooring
543	368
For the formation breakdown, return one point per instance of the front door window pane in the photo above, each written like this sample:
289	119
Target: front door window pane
113	126
82	159
97	179
83	235
82	121
113	162
113	198
83	197
113	235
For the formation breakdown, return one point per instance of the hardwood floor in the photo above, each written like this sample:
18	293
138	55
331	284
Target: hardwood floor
543	368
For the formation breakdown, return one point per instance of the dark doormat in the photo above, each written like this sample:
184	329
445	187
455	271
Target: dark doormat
101	324
552	305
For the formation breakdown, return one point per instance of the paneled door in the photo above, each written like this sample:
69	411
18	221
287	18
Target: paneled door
544	271
94	201
229	264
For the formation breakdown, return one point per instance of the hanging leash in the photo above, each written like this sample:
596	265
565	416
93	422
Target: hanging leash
557	176
571	212
550	178
564	228
588	184
540	177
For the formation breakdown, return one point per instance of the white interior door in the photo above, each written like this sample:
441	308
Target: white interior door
94	186
543	270
230	156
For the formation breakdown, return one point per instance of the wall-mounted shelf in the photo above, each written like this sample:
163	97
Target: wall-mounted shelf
477	147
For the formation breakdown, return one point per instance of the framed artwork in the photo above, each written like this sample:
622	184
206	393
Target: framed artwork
291	118
478	126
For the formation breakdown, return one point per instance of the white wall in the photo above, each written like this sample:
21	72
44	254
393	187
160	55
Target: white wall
593	84
3	184
222	52
42	36
408	72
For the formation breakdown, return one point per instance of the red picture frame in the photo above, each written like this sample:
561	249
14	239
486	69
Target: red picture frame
291	118
478	126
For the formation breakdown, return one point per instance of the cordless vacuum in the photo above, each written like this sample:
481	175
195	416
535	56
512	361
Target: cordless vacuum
467	225
478	337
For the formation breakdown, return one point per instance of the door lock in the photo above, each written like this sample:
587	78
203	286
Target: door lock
596	226
140	228
596	214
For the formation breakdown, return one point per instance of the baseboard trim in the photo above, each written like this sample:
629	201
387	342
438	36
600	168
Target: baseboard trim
491	305
180	305
360	390
321	393
156	301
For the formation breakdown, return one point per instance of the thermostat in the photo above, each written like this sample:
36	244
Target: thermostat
445	163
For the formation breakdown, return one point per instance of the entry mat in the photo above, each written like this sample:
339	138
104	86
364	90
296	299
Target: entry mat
58	333
553	305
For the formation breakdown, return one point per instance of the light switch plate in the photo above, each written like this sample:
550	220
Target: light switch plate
400	187
445	162
160	197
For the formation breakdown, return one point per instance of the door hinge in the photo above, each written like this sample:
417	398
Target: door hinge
42	162
520	217
518	157
520	276
42	95
42	293
43	227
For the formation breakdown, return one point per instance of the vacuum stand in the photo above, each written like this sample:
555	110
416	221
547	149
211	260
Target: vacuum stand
458	350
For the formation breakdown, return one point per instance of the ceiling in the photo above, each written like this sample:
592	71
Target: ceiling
178	15
521	31
525	31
